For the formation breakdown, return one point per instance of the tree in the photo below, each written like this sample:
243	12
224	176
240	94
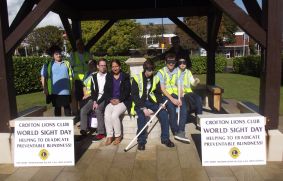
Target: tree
122	36
42	38
199	26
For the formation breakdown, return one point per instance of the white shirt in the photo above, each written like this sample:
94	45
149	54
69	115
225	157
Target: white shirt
101	78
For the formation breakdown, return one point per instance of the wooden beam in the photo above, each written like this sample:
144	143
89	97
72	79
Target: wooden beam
65	9
253	9
144	13
98	35
242	19
213	24
271	63
76	28
68	30
22	13
190	32
8	106
28	24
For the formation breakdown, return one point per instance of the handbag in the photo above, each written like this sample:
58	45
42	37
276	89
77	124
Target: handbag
92	120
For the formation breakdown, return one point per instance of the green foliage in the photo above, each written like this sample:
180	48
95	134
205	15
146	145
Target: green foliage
199	64
44	37
27	73
249	65
122	36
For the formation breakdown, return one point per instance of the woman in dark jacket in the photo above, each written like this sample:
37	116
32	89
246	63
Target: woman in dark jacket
117	100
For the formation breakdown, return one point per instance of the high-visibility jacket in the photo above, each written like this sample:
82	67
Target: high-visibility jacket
170	84
186	80
80	66
139	80
49	74
87	83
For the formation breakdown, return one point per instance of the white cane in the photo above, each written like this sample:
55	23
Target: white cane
179	98
149	122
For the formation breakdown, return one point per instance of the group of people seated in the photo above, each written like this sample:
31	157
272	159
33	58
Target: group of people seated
109	94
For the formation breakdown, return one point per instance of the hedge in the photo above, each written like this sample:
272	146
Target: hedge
199	64
27	73
27	69
251	65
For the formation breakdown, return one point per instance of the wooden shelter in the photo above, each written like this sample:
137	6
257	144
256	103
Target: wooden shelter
262	24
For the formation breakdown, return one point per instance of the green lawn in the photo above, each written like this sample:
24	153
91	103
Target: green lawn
239	87
26	101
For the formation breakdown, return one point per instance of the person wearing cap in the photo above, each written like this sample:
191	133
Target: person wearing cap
96	101
79	60
193	101
146	94
168	83
57	81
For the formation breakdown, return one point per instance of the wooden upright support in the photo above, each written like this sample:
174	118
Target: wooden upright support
8	106
213	24
271	62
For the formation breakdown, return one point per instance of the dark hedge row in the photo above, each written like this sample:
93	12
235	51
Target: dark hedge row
27	69
251	65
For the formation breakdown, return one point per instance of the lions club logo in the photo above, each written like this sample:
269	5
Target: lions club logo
234	152
43	154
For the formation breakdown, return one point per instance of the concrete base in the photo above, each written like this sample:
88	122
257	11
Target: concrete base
6	151
274	145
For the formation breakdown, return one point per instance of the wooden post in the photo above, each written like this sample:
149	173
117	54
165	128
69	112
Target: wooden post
213	23
271	63
8	106
76	28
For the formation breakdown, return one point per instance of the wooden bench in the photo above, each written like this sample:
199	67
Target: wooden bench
211	96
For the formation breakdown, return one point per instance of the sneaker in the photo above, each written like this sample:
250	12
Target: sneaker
182	138
141	147
98	137
84	132
168	143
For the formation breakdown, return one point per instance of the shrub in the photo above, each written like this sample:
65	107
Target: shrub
249	65
27	73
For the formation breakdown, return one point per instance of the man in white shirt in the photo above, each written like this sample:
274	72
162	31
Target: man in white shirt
96	101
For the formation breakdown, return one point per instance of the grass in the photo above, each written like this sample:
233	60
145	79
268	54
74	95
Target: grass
239	87
26	101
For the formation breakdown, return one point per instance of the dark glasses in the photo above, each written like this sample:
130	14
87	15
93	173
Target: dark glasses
182	62
171	61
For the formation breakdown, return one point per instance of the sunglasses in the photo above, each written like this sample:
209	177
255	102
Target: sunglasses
171	61
182	62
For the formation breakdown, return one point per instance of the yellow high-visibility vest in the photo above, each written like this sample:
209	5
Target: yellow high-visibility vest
139	79
186	80
170	84
49	73
80	67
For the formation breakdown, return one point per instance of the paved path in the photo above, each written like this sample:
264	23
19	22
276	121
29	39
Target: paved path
157	162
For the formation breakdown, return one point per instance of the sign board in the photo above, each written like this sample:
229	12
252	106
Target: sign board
44	141
233	139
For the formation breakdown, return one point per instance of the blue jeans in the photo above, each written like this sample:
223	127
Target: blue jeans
171	108
194	102
142	120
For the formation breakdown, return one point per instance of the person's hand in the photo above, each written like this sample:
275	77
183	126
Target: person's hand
146	112
95	105
114	101
85	97
196	82
175	102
